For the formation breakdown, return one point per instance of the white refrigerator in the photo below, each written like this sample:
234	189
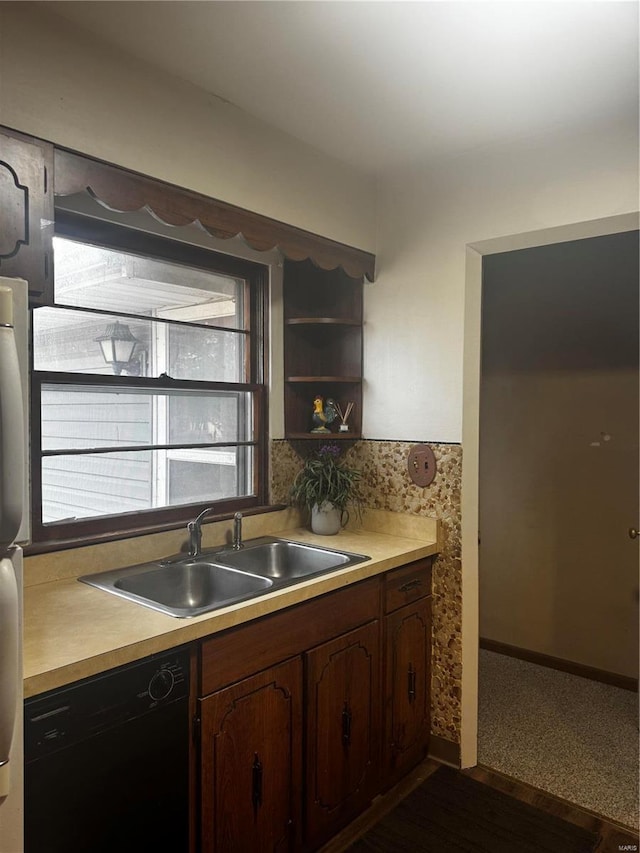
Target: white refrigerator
14	532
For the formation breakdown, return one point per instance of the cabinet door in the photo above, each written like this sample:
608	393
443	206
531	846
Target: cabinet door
251	763
407	688
343	729
26	212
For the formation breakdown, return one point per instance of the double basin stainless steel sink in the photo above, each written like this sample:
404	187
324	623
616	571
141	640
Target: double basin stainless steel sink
188	586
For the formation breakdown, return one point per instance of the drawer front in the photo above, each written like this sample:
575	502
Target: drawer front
247	649
407	584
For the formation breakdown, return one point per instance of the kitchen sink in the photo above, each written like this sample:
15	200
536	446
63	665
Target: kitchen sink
186	586
281	559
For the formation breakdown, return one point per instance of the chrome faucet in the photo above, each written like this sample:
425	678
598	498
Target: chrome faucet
195	532
237	532
194	529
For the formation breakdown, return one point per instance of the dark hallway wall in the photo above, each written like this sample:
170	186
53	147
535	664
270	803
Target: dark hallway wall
559	451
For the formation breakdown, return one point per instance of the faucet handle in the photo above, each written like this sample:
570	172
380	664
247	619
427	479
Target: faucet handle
195	537
237	531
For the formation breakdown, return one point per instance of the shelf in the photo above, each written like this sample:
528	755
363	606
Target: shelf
324	379
310	292
320	321
324	436
322	332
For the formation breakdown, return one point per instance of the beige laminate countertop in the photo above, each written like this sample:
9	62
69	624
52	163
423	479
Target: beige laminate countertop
72	630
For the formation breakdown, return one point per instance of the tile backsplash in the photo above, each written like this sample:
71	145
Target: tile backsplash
387	485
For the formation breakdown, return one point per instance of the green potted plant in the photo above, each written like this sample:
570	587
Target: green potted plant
325	488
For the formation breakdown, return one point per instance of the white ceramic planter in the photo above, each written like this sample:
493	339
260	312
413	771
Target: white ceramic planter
325	519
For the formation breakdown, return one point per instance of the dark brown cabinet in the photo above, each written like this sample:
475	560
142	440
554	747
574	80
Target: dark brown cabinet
27	213
407	689
343	725
308	713
253	721
322	346
408	695
251	763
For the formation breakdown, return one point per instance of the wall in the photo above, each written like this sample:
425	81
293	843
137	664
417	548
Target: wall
559	451
426	218
61	83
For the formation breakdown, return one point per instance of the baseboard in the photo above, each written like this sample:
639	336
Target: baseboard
444	751
613	678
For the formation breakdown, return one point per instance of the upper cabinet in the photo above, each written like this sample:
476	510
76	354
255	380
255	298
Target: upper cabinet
26	212
322	348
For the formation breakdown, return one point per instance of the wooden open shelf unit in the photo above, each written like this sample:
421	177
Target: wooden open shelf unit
322	347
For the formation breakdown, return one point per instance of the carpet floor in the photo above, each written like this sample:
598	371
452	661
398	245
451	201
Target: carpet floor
571	736
451	813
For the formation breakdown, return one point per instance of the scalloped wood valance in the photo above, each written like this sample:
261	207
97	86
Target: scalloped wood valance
125	191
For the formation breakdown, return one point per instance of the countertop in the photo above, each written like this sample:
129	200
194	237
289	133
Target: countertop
72	630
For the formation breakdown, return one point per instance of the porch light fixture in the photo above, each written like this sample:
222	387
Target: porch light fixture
117	345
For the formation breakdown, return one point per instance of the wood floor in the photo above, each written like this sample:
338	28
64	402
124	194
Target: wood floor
612	837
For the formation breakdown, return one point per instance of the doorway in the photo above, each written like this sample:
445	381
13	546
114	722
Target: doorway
558	490
470	439
559	452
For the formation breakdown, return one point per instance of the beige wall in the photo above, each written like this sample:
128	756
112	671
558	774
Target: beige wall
558	573
414	312
62	84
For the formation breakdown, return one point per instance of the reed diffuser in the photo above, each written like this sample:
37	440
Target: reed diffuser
343	415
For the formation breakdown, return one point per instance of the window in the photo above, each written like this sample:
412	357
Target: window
148	388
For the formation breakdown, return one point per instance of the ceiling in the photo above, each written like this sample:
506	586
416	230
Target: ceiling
380	84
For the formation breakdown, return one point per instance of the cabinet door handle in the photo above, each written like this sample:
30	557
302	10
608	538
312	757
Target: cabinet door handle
411	683
346	725
409	585
256	792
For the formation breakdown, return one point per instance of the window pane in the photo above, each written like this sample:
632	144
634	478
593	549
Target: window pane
88	486
67	340
194	478
94	277
85	417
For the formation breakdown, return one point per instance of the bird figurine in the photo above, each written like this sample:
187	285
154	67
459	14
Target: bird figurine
323	414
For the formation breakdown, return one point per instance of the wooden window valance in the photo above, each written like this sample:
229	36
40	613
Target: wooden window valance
124	191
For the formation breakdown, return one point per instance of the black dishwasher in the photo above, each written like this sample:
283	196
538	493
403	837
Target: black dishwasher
107	761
